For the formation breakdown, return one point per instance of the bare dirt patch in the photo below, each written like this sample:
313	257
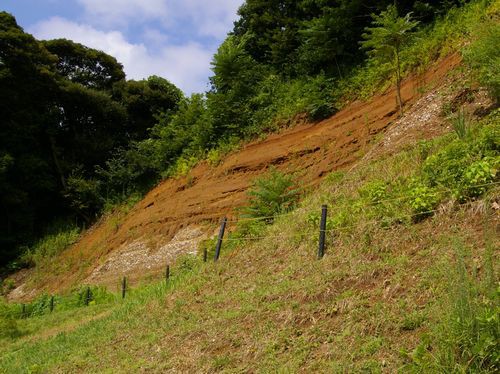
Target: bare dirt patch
140	257
135	243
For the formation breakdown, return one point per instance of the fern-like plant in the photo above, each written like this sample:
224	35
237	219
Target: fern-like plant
272	194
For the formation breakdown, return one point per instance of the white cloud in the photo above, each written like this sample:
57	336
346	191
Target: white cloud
119	12
171	38
212	18
187	66
154	36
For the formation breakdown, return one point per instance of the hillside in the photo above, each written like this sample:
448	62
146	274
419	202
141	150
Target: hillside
396	291
357	168
138	243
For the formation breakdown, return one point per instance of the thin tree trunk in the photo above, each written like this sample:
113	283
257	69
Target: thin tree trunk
398	83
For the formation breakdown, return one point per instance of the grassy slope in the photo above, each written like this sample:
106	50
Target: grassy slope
448	35
379	301
270	305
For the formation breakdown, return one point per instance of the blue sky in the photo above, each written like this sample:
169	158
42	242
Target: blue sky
175	39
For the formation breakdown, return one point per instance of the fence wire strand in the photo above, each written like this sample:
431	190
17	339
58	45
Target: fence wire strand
366	204
339	229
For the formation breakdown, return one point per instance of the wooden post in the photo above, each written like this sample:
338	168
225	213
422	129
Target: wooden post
205	255
219	240
322	232
124	287
167	273
23	311
51	304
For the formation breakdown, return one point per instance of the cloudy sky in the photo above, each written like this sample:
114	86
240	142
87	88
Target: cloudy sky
175	39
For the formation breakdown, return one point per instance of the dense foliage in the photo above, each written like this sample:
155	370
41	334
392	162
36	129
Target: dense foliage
65	110
76	136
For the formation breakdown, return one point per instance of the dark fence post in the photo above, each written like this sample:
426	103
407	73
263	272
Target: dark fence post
87	296
167	273
51	304
23	311
219	240
322	232
205	255
124	287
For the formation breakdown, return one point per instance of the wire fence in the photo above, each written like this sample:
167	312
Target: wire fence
86	294
365	204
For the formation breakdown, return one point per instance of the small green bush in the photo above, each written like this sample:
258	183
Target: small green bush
423	199
465	167
476	178
272	194
374	192
84	195
182	166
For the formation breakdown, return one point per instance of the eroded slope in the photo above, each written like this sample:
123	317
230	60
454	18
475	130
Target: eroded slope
196	202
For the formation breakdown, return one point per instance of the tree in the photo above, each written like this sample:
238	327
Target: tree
271	28
89	67
385	38
327	39
144	100
234	84
65	111
27	181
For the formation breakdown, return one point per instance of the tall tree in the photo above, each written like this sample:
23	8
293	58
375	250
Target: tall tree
65	110
234	83
385	38
89	67
27	180
144	101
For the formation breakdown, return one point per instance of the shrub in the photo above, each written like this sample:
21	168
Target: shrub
446	167
422	200
278	101
182	166
272	194
84	195
374	192
215	155
477	176
465	166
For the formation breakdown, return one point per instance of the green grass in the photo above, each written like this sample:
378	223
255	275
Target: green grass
51	245
409	282
379	301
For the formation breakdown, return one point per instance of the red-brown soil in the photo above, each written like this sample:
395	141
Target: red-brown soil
208	193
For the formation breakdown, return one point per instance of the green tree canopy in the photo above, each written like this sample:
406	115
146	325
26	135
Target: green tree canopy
89	67
144	100
65	110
